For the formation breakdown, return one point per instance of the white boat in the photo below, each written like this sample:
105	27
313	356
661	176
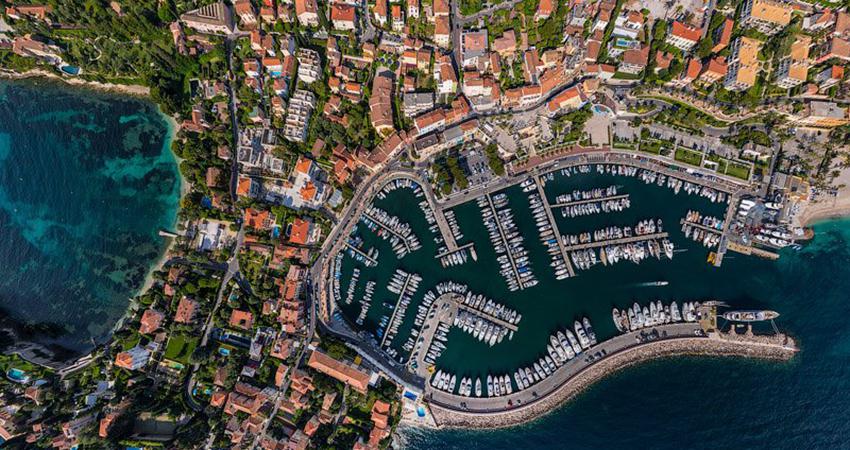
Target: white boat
478	387
615	314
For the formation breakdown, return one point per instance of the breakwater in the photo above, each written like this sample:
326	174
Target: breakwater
775	347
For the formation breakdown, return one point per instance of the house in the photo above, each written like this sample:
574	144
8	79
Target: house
442	30
767	16
634	61
19	12
210	19
683	36
381	12
344	372
413	9
241	319
343	16
743	67
134	359
820	20
441	8
380	103
259	219
836	47
628	24
307	12
544	9
151	321
185	310
398	17
822	115
303	232
506	44
445	75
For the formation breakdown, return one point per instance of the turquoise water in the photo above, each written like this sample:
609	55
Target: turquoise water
86	181
717	402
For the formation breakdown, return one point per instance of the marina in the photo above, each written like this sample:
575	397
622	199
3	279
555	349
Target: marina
509	236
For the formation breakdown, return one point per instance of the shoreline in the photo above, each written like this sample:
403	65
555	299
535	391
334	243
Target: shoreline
126	89
23	347
445	418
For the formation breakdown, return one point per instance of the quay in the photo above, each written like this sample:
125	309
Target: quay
445	230
505	241
554	226
750	250
361	253
628	240
590	200
606	358
395	309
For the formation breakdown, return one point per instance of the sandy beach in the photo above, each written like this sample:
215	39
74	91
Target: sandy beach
128	89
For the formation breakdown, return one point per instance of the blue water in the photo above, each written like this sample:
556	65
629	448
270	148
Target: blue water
83	193
716	402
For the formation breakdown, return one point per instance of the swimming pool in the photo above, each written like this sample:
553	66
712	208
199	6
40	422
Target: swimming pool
17	375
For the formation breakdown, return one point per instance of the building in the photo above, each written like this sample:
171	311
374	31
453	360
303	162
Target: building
744	66
794	69
185	310
506	44
442	30
245	11
445	76
19	12
344	372
416	103
241	319
723	35
397	17
134	359
683	36
151	321
635	60
309	65
714	71
836	47
767	16
822	115
298	115
687	76
545	8
628	24
568	100
473	48
211	19
307	12
381	103
829	77
381	12
413	9
343	16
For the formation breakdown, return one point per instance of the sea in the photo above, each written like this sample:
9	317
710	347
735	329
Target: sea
87	179
677	403
715	403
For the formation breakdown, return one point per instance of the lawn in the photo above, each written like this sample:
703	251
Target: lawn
653	147
180	347
738	170
688	156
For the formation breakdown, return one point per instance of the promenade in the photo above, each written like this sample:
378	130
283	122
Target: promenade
593	365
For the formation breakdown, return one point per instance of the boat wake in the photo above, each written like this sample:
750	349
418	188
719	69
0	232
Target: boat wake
652	284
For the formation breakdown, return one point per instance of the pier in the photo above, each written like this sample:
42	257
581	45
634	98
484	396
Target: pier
483	314
361	253
445	230
628	240
395	309
702	227
554	225
457	249
590	200
382	225
504	241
